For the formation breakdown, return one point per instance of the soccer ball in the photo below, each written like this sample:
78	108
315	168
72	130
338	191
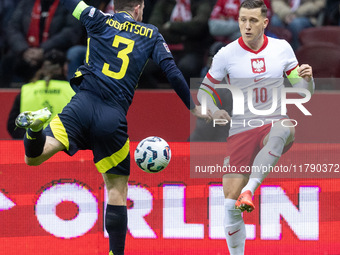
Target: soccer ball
152	154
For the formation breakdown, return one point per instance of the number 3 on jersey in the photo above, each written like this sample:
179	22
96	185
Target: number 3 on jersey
123	55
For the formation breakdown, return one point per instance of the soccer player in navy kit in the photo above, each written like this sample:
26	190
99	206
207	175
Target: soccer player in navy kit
119	46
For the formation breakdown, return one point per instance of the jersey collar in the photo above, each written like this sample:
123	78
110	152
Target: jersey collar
126	13
244	46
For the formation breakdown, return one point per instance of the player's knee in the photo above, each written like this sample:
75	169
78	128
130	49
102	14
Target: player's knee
117	196
285	132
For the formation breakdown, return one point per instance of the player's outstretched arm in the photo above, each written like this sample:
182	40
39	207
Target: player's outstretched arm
177	81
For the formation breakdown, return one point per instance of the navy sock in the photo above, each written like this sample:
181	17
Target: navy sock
34	143
116	226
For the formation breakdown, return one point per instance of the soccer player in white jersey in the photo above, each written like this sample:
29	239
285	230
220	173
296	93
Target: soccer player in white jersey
253	63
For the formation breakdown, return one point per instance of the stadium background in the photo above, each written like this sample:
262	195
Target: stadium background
58	208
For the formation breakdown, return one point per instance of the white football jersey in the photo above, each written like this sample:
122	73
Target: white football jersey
260	77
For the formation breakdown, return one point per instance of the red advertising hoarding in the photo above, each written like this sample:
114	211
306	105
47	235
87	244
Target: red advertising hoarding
58	207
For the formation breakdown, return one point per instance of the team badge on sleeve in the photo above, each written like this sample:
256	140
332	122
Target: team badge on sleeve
258	65
166	47
91	13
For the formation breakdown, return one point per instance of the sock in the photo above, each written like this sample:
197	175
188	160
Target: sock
267	157
34	143
116	226
234	228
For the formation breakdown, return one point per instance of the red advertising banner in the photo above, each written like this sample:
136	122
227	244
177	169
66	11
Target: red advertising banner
58	208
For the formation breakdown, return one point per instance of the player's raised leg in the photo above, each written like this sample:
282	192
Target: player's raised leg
279	136
38	146
116	211
234	227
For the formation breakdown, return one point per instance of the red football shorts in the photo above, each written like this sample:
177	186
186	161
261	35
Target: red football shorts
242	148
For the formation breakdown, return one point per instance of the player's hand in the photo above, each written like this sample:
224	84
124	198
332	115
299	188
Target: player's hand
221	115
197	111
306	72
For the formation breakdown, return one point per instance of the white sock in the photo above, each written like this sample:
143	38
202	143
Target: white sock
267	157
234	228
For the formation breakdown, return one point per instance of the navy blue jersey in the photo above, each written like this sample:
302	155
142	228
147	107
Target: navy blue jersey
95	119
118	49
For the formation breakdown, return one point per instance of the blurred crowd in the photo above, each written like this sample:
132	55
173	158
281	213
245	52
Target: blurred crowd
193	29
42	45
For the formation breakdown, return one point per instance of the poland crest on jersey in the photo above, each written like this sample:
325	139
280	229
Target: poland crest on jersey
258	65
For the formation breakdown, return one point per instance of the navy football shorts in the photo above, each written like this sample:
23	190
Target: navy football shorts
87	122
